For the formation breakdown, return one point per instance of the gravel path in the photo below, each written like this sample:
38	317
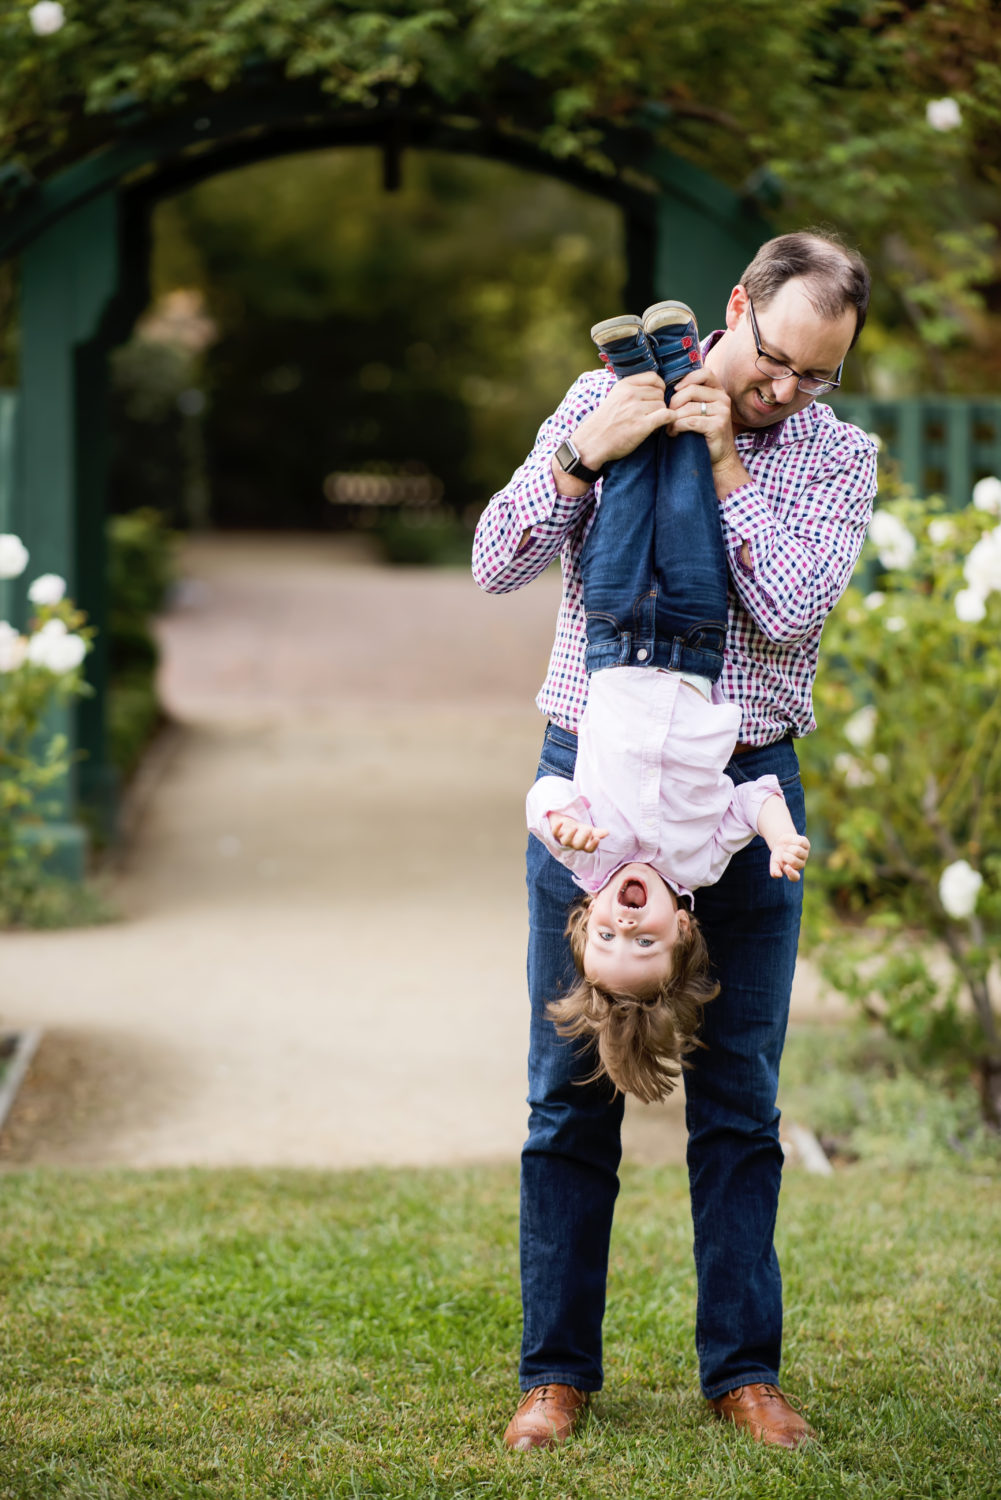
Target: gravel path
321	956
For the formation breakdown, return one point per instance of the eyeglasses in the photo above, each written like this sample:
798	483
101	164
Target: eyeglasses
811	385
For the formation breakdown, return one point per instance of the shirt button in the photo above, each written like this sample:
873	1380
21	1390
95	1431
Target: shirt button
642	654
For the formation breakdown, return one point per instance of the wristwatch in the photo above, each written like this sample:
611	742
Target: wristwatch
570	462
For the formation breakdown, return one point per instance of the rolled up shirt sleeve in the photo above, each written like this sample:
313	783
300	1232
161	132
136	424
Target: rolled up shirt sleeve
739	824
802	549
531	503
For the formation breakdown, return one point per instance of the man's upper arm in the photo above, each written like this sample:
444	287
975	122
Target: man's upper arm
789	574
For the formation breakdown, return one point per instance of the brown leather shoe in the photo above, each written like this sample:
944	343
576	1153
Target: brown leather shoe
766	1414
546	1416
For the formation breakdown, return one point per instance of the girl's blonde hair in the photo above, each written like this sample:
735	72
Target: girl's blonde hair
641	1044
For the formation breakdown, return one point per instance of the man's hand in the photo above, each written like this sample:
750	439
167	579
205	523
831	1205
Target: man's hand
570	834
702	388
633	408
789	857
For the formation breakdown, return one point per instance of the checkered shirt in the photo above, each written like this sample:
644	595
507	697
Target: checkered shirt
804	517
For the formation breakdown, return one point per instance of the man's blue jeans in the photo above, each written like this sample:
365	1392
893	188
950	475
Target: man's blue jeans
571	1158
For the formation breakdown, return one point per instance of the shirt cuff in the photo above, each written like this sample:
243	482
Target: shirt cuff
745	516
539	502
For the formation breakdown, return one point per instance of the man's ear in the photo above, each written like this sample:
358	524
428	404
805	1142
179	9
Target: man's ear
736	307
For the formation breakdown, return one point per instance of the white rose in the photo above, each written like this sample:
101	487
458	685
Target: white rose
13	556
943	114
66	654
982	568
55	649
987	495
959	887
970	607
46	17
874	600
13	648
861	727
49	588
940	532
852	770
40	643
892	540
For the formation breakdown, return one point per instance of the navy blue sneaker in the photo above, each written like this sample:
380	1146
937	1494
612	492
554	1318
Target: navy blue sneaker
623	346
673	335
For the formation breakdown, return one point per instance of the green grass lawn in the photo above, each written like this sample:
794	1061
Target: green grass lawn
253	1334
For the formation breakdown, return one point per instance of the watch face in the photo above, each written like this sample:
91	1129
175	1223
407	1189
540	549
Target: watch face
568	458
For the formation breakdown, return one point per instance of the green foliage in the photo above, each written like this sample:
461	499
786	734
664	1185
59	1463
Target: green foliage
424	539
878	1099
358	328
142	566
34	758
904	778
147	427
827	100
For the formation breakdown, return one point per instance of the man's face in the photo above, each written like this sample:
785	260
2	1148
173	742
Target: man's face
792	331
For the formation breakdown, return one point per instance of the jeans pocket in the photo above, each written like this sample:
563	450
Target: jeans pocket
559	753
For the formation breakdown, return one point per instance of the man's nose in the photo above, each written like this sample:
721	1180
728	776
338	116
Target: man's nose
785	389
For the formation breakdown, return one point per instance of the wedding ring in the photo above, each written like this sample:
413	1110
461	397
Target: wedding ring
704	410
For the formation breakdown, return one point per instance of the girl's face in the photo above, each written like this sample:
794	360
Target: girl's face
632	927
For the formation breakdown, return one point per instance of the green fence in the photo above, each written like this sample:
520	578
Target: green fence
941	444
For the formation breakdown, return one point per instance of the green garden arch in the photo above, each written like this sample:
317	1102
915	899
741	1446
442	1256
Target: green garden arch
83	241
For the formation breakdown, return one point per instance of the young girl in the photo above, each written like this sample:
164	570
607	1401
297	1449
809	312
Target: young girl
650	814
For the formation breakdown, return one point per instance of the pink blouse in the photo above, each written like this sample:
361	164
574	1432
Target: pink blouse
650	761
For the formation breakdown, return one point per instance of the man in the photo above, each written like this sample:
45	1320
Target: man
795	488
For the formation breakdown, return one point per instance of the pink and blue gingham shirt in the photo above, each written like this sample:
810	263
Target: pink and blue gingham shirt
803	516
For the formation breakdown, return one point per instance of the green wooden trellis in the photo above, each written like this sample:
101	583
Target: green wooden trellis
941	445
82	238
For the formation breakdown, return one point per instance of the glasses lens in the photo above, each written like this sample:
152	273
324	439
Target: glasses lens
814	387
769	366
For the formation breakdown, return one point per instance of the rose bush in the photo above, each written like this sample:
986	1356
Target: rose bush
904	782
38	670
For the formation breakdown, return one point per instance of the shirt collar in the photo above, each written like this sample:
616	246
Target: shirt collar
794	429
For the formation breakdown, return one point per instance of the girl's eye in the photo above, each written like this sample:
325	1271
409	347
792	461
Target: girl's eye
645	942
605	934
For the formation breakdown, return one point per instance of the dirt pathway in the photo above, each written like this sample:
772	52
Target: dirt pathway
321	957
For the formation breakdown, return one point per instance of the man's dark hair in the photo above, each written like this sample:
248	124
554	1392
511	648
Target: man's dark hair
837	277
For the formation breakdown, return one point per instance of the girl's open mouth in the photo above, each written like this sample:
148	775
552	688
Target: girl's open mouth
632	893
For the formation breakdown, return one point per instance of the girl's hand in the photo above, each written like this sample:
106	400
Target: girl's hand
789	857
570	834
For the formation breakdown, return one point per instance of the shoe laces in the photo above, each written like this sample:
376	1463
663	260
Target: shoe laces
774	1394
543	1392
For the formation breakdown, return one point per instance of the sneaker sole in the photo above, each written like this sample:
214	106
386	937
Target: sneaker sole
663	314
623	327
